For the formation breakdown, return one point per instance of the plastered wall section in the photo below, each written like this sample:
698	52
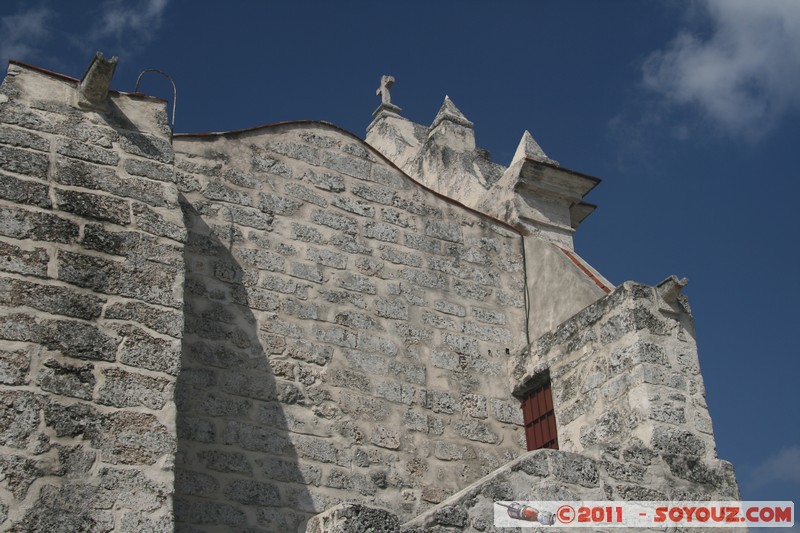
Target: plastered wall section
348	332
91	276
557	288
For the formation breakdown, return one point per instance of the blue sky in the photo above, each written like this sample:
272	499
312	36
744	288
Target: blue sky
688	111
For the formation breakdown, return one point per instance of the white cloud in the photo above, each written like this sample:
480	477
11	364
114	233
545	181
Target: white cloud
23	34
782	467
122	27
130	21
743	75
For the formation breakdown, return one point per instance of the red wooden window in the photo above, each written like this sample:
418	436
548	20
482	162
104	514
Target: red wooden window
540	420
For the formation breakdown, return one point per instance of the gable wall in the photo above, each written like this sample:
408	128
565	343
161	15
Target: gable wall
347	332
261	324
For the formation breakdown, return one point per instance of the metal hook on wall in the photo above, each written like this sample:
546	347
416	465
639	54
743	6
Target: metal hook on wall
174	90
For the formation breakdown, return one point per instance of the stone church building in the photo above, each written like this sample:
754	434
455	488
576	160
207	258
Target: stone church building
239	331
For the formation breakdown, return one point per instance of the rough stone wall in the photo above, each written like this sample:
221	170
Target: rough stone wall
547	475
347	333
627	389
631	415
91	274
626	368
285	322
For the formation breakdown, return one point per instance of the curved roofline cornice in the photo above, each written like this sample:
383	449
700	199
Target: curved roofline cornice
76	81
360	140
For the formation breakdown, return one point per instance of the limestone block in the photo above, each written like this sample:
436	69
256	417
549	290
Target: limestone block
353	518
150	169
147	145
87	152
23	224
476	431
149	282
131	438
165	321
24	191
128	389
251	492
90	176
21	161
53	299
325	181
208	512
23	139
19	417
77	381
20	261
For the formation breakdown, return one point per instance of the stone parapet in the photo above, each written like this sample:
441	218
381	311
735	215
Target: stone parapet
540	475
554	475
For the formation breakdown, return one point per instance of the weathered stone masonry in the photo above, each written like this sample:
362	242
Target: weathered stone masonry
346	331
631	412
238	331
91	254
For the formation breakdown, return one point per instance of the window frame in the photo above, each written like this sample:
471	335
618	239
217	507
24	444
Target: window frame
538	414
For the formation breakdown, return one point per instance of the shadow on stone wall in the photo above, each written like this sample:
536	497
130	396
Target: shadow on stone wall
235	468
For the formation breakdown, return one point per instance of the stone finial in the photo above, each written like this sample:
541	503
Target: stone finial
450	112
94	85
670	288
383	91
529	149
386	97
